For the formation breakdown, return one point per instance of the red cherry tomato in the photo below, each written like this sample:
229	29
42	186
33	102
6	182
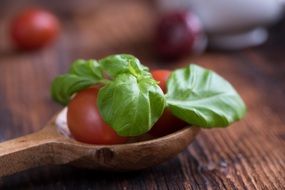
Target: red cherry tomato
85	122
34	28
168	123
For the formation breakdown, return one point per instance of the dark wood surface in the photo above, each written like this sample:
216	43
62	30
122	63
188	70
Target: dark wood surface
248	155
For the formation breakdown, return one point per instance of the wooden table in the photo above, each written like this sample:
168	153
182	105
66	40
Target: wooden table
248	155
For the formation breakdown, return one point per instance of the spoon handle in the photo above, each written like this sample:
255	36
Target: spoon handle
26	152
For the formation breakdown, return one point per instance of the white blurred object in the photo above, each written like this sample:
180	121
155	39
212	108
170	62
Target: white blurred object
240	40
232	21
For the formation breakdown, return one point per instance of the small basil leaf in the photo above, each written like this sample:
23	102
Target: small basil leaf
89	68
114	65
203	98
131	106
81	75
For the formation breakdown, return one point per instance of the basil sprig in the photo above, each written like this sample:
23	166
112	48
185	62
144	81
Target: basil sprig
131	101
203	98
130	105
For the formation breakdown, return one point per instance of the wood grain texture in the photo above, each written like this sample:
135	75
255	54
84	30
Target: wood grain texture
248	155
50	147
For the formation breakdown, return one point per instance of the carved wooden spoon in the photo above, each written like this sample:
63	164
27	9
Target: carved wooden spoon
50	147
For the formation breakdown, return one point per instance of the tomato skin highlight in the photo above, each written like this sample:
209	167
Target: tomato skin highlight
86	124
167	123
33	28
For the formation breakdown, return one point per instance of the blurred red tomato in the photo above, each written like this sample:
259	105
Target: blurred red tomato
34	28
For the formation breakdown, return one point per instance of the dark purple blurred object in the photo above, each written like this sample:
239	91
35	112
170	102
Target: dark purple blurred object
179	34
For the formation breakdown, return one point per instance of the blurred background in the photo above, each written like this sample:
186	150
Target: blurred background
134	24
243	40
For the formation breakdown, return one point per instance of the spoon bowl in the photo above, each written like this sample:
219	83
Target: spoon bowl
50	147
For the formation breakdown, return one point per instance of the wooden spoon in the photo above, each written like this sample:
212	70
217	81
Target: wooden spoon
49	147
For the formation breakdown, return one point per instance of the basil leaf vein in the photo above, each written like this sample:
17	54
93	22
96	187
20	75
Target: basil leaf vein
114	65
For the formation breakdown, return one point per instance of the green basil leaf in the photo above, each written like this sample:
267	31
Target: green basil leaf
131	106
89	68
81	75
114	65
203	98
